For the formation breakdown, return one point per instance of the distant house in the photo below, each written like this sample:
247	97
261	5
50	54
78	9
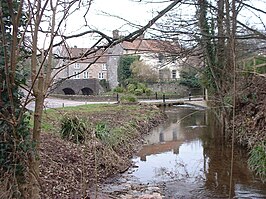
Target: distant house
89	67
159	55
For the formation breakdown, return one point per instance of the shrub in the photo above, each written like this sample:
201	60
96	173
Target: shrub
148	91
141	86
128	98
189	77
73	129
138	92
131	88
118	89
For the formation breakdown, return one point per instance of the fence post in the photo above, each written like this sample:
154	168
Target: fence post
117	97
164	98
156	96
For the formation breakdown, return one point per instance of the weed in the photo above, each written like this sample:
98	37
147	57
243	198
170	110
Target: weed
102	131
73	129
257	160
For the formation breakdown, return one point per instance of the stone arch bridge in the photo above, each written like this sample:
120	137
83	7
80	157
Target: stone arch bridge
77	87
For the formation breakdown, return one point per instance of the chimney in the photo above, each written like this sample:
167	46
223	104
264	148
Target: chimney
115	34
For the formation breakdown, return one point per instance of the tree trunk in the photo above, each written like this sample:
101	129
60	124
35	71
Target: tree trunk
35	158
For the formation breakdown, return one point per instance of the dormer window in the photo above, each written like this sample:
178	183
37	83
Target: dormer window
104	67
77	66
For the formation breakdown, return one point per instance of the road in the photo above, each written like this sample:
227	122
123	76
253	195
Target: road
57	103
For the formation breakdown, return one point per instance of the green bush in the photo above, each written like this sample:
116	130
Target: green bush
131	88
118	89
128	98
73	129
189	77
257	160
148	91
138	92
141	86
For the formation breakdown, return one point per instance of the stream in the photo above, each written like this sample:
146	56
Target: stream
186	157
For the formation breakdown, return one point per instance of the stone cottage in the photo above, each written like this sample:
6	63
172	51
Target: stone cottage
85	68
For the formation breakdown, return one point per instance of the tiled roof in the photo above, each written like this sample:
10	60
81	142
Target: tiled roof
138	45
79	53
151	45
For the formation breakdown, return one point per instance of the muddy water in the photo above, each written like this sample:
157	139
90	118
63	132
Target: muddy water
186	158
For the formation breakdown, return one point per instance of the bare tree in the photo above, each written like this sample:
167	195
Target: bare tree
143	72
37	17
206	31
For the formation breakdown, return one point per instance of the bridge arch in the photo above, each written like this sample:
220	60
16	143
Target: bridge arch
87	91
68	91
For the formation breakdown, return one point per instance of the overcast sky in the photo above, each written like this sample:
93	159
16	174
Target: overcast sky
134	11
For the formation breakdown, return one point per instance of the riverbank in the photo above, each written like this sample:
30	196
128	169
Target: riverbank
250	121
113	134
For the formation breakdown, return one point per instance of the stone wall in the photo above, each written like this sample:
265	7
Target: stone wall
172	87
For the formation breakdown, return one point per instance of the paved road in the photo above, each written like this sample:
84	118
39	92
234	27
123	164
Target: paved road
57	103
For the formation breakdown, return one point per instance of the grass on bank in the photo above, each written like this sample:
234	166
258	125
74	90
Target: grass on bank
114	125
52	117
257	160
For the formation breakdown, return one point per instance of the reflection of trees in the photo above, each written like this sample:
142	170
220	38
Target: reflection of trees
181	121
192	118
174	132
218	155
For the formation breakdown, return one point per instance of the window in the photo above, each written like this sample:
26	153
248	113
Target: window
174	74
76	66
104	67
100	75
76	73
86	75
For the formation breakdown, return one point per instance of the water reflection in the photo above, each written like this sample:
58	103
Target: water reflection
188	149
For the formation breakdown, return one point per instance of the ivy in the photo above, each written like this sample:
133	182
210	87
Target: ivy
15	133
123	71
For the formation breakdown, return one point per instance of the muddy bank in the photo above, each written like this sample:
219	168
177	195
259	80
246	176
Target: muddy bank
251	111
70	170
